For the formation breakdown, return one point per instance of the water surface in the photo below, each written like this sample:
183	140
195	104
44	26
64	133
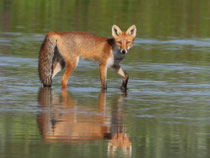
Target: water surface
165	112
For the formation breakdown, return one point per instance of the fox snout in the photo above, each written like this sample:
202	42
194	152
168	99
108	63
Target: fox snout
123	51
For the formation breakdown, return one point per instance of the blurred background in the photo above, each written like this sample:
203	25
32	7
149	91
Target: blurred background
166	111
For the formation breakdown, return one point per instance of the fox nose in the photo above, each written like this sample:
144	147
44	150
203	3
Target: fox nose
123	51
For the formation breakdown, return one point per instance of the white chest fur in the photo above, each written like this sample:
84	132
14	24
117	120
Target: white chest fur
116	57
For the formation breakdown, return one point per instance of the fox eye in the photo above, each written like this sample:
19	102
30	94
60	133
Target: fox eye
128	42
119	42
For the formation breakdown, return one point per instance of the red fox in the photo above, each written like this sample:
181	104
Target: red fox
64	49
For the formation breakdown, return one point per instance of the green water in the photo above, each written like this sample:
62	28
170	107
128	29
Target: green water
166	111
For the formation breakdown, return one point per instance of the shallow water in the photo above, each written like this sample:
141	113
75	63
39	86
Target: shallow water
165	112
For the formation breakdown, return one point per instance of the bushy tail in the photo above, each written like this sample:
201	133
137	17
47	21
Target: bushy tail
46	60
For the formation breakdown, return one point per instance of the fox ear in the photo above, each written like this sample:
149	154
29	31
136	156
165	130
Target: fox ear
131	30
116	31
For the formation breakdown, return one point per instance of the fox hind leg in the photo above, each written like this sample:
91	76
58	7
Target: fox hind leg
58	66
70	65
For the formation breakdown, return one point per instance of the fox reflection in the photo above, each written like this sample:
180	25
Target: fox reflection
63	120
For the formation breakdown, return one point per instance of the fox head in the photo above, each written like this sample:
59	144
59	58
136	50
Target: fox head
124	39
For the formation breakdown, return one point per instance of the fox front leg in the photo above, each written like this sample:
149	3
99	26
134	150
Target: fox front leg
103	73
121	72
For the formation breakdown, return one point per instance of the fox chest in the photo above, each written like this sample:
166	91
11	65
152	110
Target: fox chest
115	58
